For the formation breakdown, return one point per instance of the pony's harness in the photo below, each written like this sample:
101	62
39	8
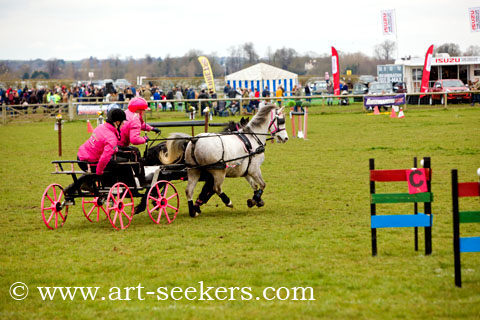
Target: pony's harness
248	148
222	163
275	122
276	126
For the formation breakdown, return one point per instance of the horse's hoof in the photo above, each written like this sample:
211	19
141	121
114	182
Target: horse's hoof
138	210
191	209
194	214
197	209
260	203
251	203
230	204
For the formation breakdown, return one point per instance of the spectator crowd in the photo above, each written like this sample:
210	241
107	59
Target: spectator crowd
157	97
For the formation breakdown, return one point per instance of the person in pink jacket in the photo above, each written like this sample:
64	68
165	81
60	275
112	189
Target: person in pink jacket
100	148
135	124
131	132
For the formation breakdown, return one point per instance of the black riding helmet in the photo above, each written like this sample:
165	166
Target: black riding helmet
116	115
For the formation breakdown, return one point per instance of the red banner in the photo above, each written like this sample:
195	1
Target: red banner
426	70
335	72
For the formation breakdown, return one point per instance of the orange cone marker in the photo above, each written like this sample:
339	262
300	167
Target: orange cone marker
393	114
89	127
401	114
375	110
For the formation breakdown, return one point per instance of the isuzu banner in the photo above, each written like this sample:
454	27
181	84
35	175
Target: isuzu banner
396	100
474	18
455	60
388	22
207	73
335	72
426	70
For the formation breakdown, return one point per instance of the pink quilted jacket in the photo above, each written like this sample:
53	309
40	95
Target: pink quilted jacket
100	147
132	128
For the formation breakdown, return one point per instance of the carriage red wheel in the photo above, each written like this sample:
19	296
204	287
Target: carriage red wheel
162	199
53	205
93	209
120	206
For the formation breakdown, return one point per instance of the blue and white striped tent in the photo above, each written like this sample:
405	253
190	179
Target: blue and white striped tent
262	75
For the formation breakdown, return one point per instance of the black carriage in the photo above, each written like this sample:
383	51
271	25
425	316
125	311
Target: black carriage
113	194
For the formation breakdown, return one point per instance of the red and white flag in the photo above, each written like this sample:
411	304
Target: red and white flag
388	22
426	70
474	18
335	72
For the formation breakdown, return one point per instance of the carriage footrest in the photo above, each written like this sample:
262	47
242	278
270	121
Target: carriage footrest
70	172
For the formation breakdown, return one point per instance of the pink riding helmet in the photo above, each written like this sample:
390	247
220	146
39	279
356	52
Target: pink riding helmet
138	103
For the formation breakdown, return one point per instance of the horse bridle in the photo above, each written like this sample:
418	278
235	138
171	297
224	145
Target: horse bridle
275	121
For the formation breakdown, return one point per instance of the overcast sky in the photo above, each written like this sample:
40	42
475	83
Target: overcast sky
74	30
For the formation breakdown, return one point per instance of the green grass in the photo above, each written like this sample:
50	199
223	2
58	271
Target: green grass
314	230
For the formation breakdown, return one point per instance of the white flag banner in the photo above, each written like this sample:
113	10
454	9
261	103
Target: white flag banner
474	18
388	22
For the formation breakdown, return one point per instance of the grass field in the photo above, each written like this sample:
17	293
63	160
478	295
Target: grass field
314	230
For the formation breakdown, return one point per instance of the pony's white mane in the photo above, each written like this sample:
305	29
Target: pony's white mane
261	116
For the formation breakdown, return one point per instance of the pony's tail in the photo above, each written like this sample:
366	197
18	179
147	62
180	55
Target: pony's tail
175	148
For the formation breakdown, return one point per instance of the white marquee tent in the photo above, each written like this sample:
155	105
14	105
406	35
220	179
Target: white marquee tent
262	75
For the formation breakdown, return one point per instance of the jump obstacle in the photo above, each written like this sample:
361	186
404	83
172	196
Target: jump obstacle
465	244
300	116
419	179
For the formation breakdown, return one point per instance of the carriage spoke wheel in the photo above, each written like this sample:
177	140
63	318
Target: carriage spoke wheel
53	205
162	199
93	209
120	206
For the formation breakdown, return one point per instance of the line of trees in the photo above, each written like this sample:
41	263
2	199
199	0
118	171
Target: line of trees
239	57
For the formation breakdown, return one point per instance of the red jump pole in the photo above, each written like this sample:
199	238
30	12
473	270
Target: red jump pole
192	117
299	119
206	118
305	123
59	127
293	122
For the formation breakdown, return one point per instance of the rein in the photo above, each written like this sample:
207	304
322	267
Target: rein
273	128
275	122
212	134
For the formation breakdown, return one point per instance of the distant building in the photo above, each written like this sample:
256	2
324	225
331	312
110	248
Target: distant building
262	75
465	68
